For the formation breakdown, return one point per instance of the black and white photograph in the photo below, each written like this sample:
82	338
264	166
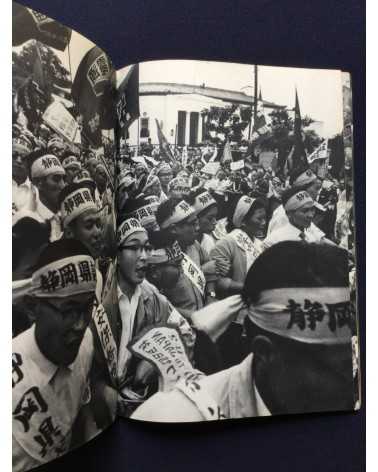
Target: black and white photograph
183	241
63	239
235	214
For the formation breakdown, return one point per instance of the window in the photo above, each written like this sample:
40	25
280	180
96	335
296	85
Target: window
144	128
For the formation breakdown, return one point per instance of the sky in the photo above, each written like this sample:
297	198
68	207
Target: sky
319	91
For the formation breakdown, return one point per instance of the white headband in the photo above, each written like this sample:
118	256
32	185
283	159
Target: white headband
203	201
319	315
65	277
128	227
297	201
181	212
46	165
305	178
71	161
76	203
242	208
166	254
146	216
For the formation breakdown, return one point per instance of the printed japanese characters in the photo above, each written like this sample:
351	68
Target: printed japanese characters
64	361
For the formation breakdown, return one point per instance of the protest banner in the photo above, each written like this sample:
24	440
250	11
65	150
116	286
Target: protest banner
237	165
320	152
211	168
61	121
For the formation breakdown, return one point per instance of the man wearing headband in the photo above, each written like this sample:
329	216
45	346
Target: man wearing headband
125	190
56	147
51	360
143	210
300	211
301	324
81	217
179	222
153	188
165	175
307	181
23	192
72	167
48	176
132	305
207	211
164	262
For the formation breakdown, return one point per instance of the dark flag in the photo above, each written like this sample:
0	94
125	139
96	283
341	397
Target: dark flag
163	143
35	94
299	156
93	91
30	24
127	105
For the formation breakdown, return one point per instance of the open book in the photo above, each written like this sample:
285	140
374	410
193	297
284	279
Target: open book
183	241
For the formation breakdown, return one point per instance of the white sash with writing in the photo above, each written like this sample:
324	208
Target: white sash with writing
107	341
194	273
251	248
39	423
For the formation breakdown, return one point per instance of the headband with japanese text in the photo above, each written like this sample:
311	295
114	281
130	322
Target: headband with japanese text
242	208
179	186
77	203
65	277
181	211
146	216
167	254
319	315
46	165
71	162
297	201
203	201
127	228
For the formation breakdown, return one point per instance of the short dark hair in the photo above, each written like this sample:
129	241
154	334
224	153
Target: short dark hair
28	235
296	264
165	210
160	239
60	249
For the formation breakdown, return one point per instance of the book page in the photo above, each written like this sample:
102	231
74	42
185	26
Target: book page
64	357
236	267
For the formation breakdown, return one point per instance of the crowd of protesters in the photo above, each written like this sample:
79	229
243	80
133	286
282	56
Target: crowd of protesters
63	246
227	252
251	268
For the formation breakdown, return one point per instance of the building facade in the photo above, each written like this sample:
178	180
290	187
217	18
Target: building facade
179	111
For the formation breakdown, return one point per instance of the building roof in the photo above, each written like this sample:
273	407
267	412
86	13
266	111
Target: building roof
231	96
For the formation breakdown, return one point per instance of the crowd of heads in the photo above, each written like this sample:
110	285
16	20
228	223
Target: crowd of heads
166	211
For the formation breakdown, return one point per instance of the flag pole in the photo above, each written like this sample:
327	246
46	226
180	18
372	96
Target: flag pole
255	99
138	135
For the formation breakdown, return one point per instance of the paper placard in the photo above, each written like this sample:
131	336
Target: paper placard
61	120
237	165
211	168
163	347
